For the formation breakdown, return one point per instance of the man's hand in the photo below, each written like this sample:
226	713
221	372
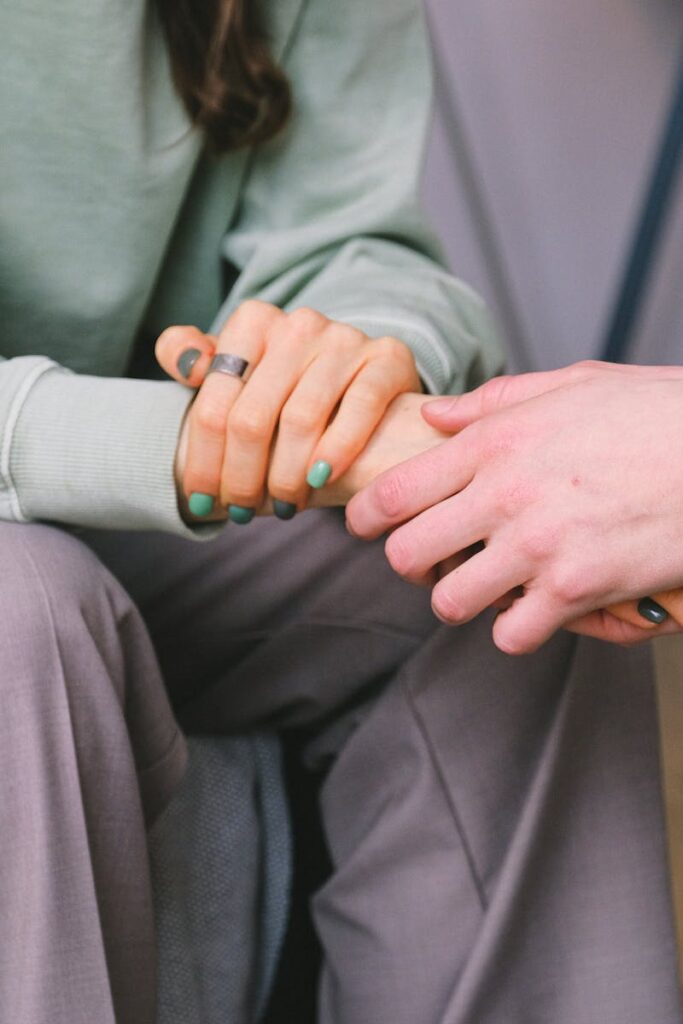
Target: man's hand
572	481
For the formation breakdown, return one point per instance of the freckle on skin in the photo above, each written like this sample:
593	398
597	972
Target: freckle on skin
576	481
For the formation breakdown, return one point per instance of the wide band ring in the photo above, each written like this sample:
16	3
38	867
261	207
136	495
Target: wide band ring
229	364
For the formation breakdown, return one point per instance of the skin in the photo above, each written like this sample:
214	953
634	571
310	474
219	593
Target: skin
430	550
315	390
572	480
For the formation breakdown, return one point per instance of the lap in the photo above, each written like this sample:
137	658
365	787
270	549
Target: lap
274	622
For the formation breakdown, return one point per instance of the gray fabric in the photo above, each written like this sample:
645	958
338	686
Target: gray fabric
495	823
548	115
89	749
221	867
510	869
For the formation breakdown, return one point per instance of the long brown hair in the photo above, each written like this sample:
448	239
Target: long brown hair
230	84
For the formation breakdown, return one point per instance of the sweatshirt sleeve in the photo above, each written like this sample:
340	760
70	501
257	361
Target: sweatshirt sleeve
329	216
89	451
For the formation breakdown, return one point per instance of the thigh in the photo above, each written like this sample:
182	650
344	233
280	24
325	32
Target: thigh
275	622
506	863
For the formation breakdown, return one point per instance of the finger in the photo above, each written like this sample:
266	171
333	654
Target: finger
244	334
252	424
438	572
185	353
413	486
447	528
602	625
627	611
457	411
363	405
303	421
672	602
528	623
475	585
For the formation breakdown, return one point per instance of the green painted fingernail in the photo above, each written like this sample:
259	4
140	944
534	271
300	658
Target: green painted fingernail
240	514
284	509
319	473
187	360
652	611
200	504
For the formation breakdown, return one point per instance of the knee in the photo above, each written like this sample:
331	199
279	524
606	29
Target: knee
53	590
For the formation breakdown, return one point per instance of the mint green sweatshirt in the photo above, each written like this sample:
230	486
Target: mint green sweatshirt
114	224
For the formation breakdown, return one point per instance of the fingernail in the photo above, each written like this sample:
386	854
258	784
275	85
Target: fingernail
187	360
200	504
319	473
652	611
440	406
284	509
240	514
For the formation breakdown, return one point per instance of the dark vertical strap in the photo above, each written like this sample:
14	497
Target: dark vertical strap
648	234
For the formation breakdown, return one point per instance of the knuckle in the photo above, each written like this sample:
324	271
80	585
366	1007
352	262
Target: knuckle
344	335
306	321
389	346
398	354
569	584
539	544
209	417
300	420
513	499
390	492
250	310
249	423
364	397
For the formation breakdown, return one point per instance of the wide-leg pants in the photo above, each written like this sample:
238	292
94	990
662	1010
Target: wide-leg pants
495	824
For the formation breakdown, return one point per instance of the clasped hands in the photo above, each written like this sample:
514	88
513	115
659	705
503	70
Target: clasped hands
556	497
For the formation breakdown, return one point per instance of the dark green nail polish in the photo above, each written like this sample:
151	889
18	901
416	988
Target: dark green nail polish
652	611
200	504
319	473
240	514
284	509
187	360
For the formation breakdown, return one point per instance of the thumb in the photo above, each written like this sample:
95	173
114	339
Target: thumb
455	412
185	353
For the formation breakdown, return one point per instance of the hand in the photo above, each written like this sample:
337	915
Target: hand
314	393
573	481
401	433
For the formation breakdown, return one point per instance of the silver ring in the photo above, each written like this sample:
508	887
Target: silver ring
226	362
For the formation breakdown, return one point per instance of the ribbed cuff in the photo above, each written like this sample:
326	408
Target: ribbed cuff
100	452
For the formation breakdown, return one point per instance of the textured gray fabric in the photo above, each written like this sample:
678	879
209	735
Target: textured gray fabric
495	823
510	867
221	867
88	749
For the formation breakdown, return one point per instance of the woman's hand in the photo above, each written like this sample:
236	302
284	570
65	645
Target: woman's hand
574	482
313	395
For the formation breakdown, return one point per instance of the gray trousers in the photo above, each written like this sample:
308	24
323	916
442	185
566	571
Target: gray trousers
495	824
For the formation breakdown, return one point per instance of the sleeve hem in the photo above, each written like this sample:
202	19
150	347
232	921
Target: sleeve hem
100	452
